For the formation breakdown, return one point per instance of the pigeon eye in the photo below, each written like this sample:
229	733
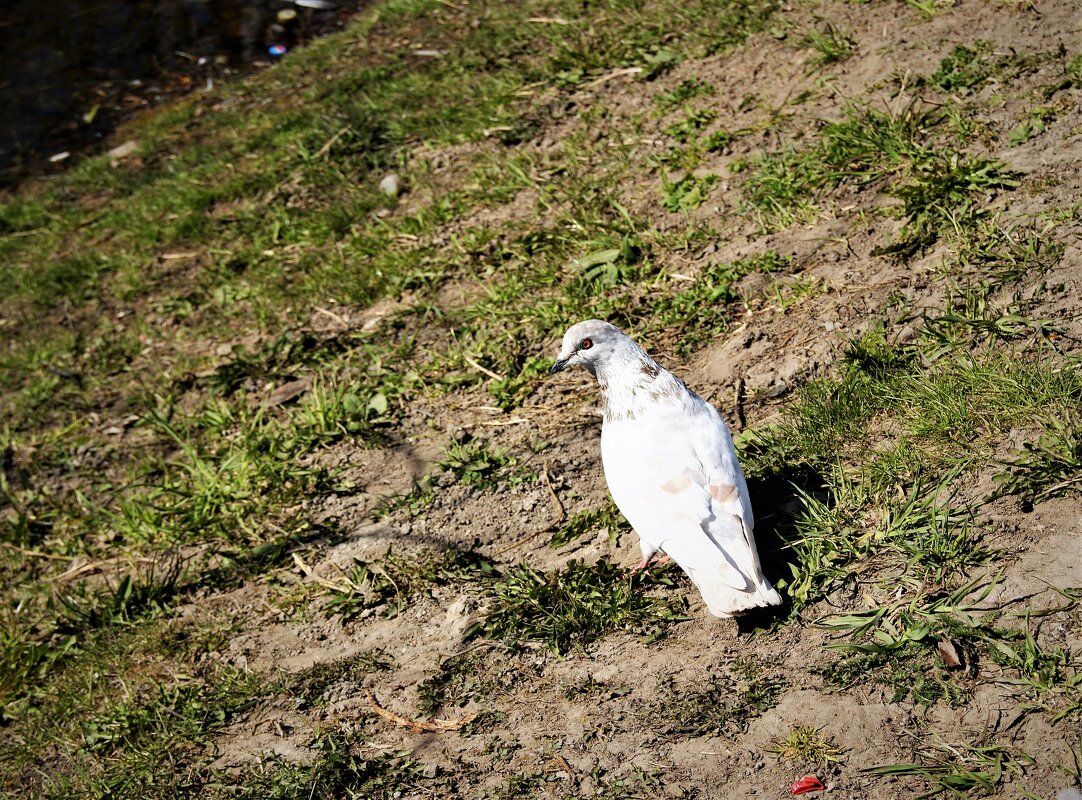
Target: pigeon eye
586	344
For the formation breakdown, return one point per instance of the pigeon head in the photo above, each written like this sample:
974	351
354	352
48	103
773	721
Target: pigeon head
593	344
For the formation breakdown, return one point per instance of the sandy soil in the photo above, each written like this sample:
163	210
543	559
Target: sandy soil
595	716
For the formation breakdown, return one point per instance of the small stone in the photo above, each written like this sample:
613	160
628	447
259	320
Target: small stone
391	185
430	770
123	150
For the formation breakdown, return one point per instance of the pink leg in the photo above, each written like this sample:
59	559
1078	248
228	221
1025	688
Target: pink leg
653	560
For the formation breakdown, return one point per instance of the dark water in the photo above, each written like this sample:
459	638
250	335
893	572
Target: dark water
70	70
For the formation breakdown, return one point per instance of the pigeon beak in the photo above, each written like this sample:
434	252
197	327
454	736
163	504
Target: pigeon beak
559	365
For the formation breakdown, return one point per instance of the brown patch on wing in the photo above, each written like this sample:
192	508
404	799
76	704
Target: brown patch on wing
677	484
721	492
650	370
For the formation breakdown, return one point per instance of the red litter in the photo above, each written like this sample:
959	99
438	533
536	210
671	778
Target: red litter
809	783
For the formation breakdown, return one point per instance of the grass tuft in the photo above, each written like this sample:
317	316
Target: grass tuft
807	744
571	607
1049	467
390	583
720	704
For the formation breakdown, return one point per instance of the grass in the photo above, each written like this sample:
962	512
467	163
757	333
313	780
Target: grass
897	516
959	768
910	673
1051	466
687	193
393	581
458	681
968	67
720	703
685	91
831	45
571	607
806	744
561	609
199	342
118	731
607	518
476	465
343	765
952	626
894	154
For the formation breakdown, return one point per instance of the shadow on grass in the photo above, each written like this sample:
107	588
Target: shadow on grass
777	504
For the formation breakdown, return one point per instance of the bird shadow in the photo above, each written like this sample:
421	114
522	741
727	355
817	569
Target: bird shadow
776	499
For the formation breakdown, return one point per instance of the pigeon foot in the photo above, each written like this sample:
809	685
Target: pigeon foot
652	561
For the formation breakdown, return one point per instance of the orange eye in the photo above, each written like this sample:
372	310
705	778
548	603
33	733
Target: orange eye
586	344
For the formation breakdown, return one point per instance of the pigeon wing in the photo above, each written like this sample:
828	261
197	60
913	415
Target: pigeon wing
676	478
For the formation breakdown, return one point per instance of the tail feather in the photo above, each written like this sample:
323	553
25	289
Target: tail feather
725	588
724	601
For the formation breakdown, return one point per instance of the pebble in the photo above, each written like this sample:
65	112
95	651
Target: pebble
123	150
391	185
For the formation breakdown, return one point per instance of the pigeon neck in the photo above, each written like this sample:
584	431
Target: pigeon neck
628	384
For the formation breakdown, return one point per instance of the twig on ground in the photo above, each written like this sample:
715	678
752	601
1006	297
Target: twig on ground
336	317
494	375
616	73
35	553
430	726
330	142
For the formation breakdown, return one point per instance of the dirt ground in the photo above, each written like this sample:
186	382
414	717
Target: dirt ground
588	719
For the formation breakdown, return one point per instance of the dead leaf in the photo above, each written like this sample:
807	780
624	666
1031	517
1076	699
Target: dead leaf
287	391
949	653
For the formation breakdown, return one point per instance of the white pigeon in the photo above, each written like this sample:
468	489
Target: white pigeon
672	469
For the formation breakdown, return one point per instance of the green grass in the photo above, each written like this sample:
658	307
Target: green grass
806	744
393	581
607	518
831	45
718	704
1051	466
477	465
897	515
344	765
968	67
191	338
959	768
571	607
115	729
910	673
895	154
698	310
902	636
685	91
